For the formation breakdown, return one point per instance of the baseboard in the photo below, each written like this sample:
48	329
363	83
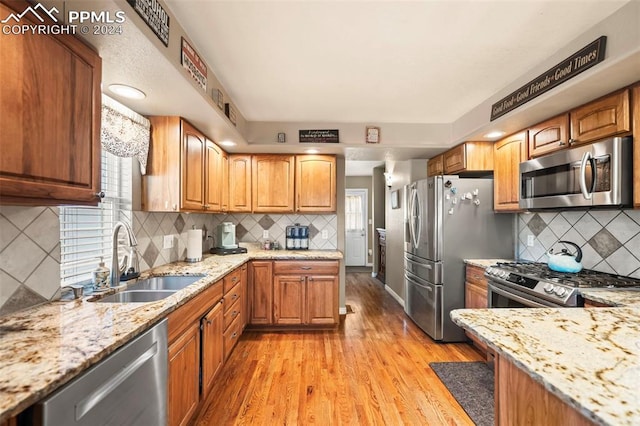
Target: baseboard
394	295
369	264
342	310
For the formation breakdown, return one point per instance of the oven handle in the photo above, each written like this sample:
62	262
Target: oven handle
583	180
526	302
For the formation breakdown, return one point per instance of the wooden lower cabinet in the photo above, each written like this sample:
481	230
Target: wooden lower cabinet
212	345
321	300
593	304
289	299
635	113
261	292
184	376
475	297
520	400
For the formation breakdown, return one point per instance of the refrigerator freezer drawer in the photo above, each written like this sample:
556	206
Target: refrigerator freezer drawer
422	268
424	305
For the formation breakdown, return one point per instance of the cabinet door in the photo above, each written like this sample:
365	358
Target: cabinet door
245	296
605	117
549	136
261	292
213	177
225	182
193	150
273	183
435	166
49	118
508	154
455	159
240	183
315	183
322	300
212	349
636	146
184	376
289	297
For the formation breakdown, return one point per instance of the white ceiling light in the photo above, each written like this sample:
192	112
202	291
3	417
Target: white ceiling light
127	91
228	143
311	151
495	134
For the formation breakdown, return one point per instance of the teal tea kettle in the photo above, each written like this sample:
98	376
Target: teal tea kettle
565	261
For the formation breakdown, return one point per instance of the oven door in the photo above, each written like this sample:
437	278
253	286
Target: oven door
501	296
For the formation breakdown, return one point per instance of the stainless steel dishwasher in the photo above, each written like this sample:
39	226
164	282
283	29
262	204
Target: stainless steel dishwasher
127	388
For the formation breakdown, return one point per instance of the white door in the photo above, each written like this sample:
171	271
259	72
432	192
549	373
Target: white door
356	227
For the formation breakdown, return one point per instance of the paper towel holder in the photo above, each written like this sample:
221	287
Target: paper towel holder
194	259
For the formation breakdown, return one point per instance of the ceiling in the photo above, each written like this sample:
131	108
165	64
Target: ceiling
377	61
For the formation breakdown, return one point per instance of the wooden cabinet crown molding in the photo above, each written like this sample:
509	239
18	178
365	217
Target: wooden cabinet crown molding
50	110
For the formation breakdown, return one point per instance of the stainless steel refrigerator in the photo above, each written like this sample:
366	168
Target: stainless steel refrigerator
448	219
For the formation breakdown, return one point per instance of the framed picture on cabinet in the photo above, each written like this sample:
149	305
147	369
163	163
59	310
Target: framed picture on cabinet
373	134
218	97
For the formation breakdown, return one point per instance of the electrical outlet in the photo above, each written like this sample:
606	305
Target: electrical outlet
167	242
325	234
265	233
530	240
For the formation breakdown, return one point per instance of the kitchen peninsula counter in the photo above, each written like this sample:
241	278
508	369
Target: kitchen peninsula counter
588	358
46	346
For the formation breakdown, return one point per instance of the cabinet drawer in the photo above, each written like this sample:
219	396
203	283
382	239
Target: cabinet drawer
475	276
321	267
231	279
231	336
232	313
232	296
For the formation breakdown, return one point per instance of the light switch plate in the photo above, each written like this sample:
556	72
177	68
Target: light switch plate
265	233
325	234
167	242
530	240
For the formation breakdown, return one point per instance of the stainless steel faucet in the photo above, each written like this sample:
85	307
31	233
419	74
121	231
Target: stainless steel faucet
132	264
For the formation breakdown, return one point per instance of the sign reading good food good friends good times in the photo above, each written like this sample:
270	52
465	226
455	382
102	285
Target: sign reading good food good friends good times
580	61
319	136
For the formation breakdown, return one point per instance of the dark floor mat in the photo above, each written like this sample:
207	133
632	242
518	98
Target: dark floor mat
472	385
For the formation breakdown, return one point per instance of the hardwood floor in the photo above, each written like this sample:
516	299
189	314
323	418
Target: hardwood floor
373	370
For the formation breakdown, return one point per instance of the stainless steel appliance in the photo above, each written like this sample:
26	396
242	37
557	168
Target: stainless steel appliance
534	285
226	236
127	388
448	219
599	174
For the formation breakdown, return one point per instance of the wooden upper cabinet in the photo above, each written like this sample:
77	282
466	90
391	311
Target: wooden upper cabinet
602	118
184	168
508	154
50	107
273	183
194	145
213	175
549	136
225	182
635	94
240	183
435	166
469	157
315	183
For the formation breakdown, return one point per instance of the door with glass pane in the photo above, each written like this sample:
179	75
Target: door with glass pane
356	227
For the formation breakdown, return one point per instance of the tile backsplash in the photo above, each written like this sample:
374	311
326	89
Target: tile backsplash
150	228
609	239
29	256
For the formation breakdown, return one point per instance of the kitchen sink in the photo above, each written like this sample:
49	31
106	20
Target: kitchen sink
169	282
136	296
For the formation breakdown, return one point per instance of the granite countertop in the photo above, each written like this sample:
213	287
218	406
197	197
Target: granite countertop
617	297
48	345
589	358
485	263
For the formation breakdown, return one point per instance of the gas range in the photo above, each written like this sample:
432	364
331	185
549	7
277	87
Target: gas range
538	284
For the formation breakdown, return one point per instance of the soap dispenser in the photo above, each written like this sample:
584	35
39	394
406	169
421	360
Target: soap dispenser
100	277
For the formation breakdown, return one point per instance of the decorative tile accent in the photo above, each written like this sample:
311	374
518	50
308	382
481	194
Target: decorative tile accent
179	224
536	224
313	231
241	231
150	254
266	222
604	243
23	297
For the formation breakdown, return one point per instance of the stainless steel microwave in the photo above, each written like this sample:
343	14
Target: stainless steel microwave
599	174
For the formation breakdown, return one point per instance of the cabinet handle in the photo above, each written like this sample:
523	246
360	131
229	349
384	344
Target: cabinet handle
561	143
234	314
306	268
234	297
572	141
234	335
301	278
100	194
310	278
234	279
209	322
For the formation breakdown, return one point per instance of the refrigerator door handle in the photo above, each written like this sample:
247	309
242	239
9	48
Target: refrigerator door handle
416	218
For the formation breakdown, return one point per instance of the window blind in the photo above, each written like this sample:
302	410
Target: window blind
85	232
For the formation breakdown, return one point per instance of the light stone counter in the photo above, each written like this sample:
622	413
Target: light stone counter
485	263
46	346
589	358
617	297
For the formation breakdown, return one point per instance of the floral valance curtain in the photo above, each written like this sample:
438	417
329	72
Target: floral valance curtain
124	132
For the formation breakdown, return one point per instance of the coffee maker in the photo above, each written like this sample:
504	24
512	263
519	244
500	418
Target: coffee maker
297	237
226	240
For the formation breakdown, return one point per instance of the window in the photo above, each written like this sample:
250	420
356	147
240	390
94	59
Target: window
85	232
353	212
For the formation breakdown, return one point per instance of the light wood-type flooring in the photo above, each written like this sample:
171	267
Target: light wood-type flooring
373	370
